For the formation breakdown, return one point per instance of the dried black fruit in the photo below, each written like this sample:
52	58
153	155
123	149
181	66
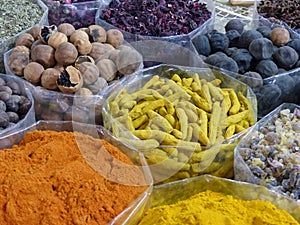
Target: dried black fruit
286	57
234	24
221	60
202	45
287	85
261	48
265	31
252	79
247	37
295	44
218	41
266	68
233	36
243	59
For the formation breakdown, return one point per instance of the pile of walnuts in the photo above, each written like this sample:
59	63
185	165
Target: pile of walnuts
65	59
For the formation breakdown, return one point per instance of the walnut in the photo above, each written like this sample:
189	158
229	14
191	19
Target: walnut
114	37
56	39
97	33
89	72
66	28
49	77
33	72
25	39
43	54
107	69
66	53
70	80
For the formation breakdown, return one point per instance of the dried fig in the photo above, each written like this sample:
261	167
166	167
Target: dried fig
66	28
128	61
56	39
79	35
46	32
84	47
49	78
44	55
98	49
70	80
97	33
25	39
66	53
280	36
107	69
114	37
89	72
33	72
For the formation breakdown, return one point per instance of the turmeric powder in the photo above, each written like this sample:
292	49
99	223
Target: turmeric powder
216	208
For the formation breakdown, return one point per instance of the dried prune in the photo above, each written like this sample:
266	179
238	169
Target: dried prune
243	59
201	43
286	57
218	41
247	37
261	48
221	60
234	24
264	30
266	68
233	36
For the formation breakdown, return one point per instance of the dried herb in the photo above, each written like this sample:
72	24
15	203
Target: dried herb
156	17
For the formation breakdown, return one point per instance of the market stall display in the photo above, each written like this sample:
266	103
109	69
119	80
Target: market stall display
73	173
262	56
79	13
16	105
179	118
269	154
68	67
231	194
13	22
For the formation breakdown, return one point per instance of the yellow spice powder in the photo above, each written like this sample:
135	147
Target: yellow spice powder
212	208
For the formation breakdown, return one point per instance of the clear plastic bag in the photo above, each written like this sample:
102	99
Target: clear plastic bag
264	156
215	159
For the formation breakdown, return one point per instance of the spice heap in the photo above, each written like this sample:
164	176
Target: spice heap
156	18
16	16
272	153
50	178
191	113
215	208
284	10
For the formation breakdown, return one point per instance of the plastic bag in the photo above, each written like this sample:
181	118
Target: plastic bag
268	154
172	158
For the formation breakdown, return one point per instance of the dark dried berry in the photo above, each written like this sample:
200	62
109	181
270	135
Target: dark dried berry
4	119
231	50
286	84
247	37
233	36
218	41
221	60
243	59
266	68
286	57
202	45
265	31
234	24
261	48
